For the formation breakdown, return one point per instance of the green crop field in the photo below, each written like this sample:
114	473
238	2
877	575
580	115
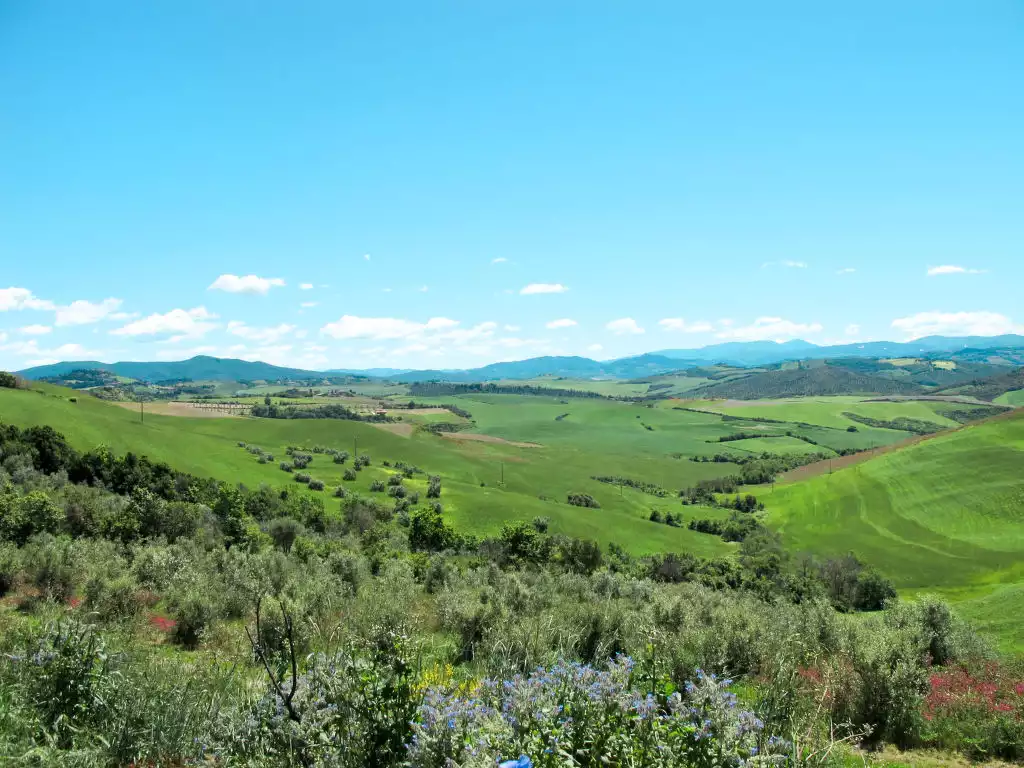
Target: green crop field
1014	397
944	515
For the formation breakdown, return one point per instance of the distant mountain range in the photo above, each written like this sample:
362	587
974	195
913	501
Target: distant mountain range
746	353
743	354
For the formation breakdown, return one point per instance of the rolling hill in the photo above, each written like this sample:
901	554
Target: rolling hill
805	381
199	368
944	514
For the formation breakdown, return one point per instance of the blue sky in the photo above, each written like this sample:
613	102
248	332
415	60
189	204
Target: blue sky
443	184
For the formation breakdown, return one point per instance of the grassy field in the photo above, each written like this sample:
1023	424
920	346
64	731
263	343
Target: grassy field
1014	397
944	515
537	481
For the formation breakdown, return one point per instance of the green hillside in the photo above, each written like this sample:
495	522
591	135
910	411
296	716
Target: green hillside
946	515
537	480
993	387
821	379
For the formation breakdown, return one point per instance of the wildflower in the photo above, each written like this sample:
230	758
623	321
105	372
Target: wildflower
522	762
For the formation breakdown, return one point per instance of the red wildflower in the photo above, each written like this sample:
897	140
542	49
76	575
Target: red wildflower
163	623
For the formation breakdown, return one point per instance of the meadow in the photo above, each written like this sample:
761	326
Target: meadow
943	515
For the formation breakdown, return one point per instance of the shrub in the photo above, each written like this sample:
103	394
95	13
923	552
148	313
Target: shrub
395	480
397	491
194	614
349	475
340	492
112	599
429	532
302	477
10	566
287	466
434	487
377	486
583	500
284	531
316	485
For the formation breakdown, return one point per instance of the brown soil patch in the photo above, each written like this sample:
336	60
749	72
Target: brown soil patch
488	439
171	408
417	411
395	427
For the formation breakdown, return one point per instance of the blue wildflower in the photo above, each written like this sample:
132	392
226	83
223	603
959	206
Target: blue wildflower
522	762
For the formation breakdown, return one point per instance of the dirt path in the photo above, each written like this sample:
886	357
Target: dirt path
172	408
487	439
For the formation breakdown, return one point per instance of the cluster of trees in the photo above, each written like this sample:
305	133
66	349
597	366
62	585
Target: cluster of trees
328	411
450	407
902	423
445	389
734	528
583	500
668	518
641	485
10	381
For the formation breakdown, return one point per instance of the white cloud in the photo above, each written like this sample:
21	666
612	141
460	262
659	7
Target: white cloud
769	329
387	290
301	333
366	256
565	322
35	330
353	327
846	271
45	356
248	284
308	304
594	348
624	326
424	289
83	312
533	288
268	335
184	323
21	298
852	329
512	328
950	269
305	286
956	324
795	264
679	325
499	260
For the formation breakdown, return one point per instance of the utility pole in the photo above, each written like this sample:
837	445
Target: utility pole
355	447
142	411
